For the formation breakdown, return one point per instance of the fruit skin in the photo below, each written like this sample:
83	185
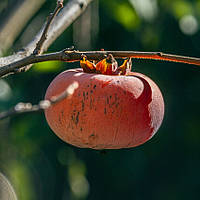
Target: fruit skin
105	112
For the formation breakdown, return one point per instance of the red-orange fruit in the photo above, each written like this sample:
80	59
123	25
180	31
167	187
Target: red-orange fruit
105	111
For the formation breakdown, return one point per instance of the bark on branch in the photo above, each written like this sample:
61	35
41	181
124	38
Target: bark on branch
9	24
73	56
63	20
22	108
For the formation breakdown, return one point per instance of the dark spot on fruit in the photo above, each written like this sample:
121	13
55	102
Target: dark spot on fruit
107	100
118	81
77	118
83	105
92	137
116	97
91	91
59	119
94	86
110	97
105	111
84	95
91	103
81	129
73	133
129	144
88	85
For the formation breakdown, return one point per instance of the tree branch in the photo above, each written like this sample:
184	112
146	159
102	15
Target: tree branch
73	56
8	25
17	62
22	108
63	20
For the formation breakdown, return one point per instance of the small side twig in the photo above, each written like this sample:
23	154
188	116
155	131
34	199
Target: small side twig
22	108
41	41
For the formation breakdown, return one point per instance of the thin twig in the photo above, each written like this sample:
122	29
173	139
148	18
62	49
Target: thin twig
38	47
21	108
73	56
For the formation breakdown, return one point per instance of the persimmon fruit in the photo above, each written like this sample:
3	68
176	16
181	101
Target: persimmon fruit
105	111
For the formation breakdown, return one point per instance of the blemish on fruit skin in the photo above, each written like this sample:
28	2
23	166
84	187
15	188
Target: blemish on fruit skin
81	129
92	137
116	97
107	100
82	105
94	86
91	91
117	104
59	119
77	118
91	103
84	95
105	111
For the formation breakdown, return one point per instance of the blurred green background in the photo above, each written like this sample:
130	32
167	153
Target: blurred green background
41	166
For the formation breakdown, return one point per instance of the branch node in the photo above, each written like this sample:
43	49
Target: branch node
22	107
44	104
60	3
81	3
72	48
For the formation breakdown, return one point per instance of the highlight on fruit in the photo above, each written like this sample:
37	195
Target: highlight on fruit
112	108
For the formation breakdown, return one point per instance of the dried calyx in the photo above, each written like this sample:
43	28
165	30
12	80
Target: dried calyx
107	66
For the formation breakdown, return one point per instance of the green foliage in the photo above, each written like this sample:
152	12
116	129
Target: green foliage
181	8
130	20
23	185
46	67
